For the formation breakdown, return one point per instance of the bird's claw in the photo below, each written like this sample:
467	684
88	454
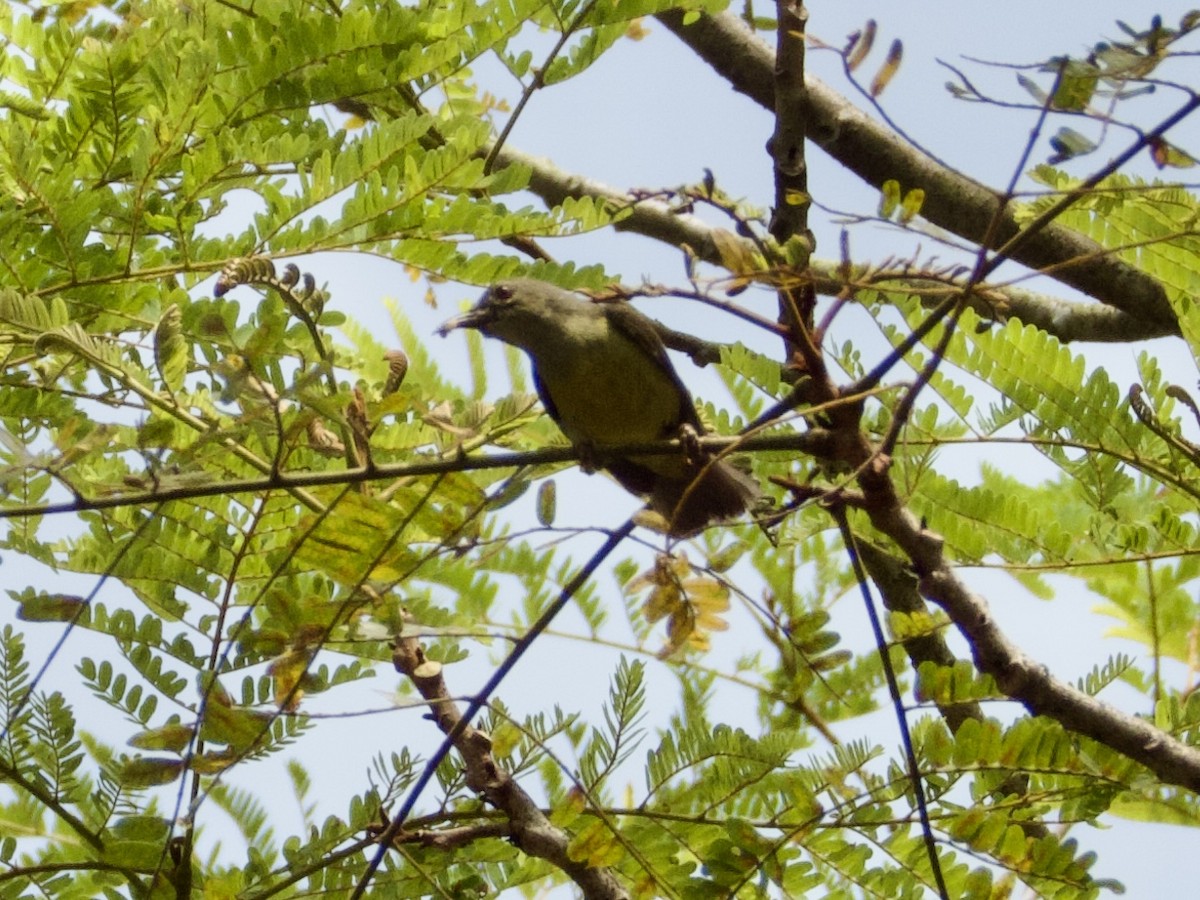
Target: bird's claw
587	457
690	438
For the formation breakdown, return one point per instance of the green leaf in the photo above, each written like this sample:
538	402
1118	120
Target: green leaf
170	348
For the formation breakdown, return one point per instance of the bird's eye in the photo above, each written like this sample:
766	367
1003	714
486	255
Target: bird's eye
502	292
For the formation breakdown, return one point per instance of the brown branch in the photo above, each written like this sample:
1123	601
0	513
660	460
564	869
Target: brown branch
898	589
450	839
528	827
953	201
812	441
1067	320
790	215
1016	674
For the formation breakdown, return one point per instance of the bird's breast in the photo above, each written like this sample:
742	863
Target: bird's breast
611	392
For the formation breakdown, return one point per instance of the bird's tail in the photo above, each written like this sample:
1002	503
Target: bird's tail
712	491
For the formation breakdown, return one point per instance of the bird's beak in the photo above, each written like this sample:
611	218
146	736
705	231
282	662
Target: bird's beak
473	318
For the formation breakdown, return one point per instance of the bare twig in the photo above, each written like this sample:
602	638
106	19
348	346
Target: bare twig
790	215
914	769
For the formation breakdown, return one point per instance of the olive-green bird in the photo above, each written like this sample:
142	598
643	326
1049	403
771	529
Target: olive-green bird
603	375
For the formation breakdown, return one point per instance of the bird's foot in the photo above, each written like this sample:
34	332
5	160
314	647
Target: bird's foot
690	438
587	457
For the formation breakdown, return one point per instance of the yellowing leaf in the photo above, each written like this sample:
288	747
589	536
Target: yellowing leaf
888	70
571	808
52	608
287	673
724	559
595	846
860	45
170	348
505	739
889	198
1166	155
546	502
680	628
213	763
236	726
636	29
737	255
913	201
662	602
149	771
174	738
1075	87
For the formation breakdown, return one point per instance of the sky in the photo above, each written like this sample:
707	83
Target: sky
644	95
621	123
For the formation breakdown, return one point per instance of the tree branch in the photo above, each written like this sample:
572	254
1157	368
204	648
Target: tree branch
813	441
1017	675
792	202
959	204
529	828
1067	320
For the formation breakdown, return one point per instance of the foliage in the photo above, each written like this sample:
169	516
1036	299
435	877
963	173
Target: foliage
264	497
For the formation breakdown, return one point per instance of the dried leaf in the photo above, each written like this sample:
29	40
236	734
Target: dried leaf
1166	155
323	440
360	428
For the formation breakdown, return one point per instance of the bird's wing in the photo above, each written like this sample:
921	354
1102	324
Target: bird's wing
544	395
639	329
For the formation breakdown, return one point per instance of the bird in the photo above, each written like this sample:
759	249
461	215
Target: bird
604	377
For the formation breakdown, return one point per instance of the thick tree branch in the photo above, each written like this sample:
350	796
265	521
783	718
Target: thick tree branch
898	590
959	204
1067	320
1017	675
790	215
530	830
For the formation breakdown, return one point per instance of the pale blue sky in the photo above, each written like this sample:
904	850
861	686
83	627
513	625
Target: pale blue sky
651	115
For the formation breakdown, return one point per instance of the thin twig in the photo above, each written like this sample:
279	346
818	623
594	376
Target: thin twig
881	643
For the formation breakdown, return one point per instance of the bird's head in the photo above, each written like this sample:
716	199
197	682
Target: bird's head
518	309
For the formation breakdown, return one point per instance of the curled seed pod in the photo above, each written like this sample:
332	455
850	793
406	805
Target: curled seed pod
397	362
360	428
291	274
323	440
314	303
244	270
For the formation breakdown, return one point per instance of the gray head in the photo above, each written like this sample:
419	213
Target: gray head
523	312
